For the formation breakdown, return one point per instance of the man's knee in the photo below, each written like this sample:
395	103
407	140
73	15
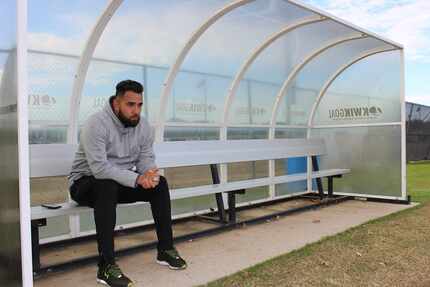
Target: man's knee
106	188
162	186
163	182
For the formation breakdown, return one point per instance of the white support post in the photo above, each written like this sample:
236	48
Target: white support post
272	188
309	173
23	146
403	125
223	167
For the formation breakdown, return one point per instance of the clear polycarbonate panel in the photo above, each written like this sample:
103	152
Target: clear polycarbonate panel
192	175
290	133
50	190
249	169
153	32
100	85
190	134
366	93
61	26
372	153
223	48
153	85
10	239
50	81
253	102
47	134
125	215
290	165
197	98
304	89
55	226
272	67
131	214
247	133
189	177
149	34
221	51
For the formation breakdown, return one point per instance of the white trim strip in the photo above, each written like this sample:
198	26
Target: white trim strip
247	126
192	125
368	195
356	125
290	127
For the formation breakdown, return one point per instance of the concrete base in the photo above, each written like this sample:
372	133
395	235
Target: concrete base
217	256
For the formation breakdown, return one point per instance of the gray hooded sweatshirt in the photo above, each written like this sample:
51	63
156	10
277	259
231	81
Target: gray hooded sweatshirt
108	150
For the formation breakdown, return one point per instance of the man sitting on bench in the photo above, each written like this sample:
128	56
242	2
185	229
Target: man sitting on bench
115	164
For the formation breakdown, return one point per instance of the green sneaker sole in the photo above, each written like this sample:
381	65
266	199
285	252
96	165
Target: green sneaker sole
101	281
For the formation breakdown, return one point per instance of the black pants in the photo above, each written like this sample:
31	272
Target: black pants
104	194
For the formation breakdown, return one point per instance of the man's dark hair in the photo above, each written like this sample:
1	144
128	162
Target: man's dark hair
128	85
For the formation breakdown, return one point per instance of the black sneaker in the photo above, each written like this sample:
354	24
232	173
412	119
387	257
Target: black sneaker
172	259
111	275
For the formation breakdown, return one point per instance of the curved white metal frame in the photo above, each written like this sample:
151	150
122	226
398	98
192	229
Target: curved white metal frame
167	86
297	69
84	62
235	83
334	77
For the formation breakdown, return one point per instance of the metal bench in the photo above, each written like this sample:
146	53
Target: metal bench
56	160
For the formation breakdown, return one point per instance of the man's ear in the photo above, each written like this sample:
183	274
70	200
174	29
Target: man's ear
115	105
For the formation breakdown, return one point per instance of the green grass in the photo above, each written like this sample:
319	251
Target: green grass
390	251
418	175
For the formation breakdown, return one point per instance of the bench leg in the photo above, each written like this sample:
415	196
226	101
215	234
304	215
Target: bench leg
330	186
232	207
220	206
315	167
35	247
218	196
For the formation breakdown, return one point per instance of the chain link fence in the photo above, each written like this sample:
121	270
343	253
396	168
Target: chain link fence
417	132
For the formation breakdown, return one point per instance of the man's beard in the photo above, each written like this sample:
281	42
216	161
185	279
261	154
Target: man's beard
128	123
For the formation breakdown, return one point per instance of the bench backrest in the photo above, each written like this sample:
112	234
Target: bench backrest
56	159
